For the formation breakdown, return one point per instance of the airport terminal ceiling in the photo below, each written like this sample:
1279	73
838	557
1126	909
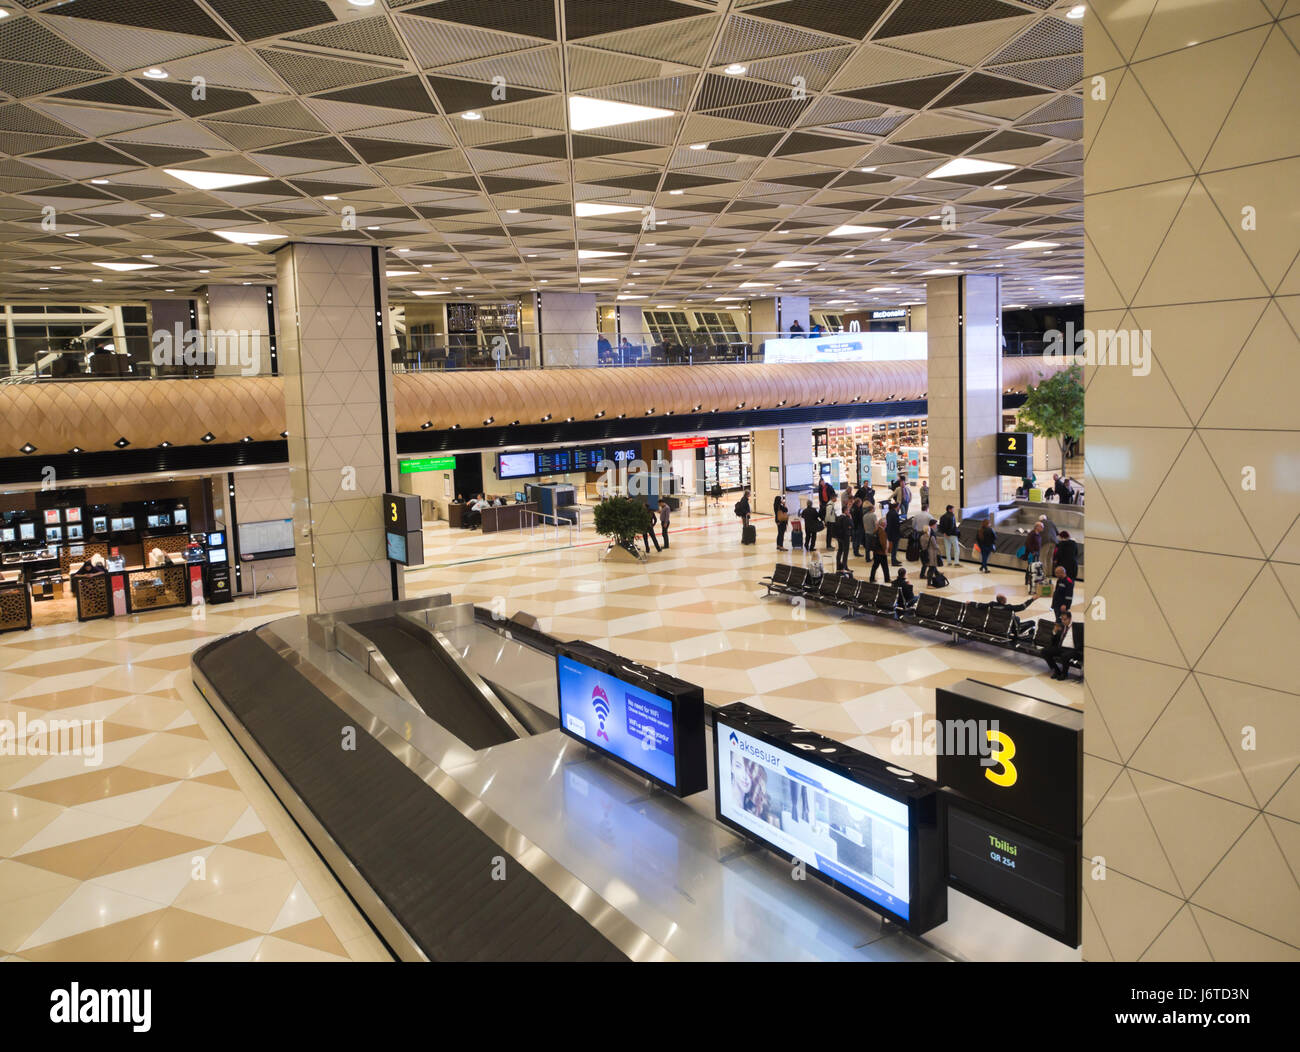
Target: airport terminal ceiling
656	150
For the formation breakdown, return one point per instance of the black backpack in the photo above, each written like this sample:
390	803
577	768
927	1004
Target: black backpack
739	513
937	580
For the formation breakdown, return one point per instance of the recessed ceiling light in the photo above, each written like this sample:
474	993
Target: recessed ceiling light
1035	244
1077	11
156	215
871	169
213	180
330	197
422	292
97	281
595	208
734	70
585	113
122	443
27	448
1000	186
512	211
942	271
126	266
699	146
372	228
968	166
849	228
593	253
755	284
362	3
591	281
403	250
677	193
471	115
100	182
794	263
399	273
208	437
156	73
205	272
625	297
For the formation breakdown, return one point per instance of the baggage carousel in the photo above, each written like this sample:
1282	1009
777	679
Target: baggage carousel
416	744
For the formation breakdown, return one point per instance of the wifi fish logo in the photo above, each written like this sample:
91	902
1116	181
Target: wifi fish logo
600	702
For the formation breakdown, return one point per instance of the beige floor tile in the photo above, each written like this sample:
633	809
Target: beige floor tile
113	942
180	935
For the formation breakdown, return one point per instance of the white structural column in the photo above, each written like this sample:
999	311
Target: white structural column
238	326
568	329
339	407
964	326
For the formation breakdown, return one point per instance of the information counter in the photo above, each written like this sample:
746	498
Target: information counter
510	517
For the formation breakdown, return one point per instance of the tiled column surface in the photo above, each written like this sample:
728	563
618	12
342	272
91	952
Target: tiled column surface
1192	735
568	329
238	309
339	408
964	350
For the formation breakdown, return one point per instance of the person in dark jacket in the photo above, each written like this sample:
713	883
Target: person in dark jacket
879	548
812	522
859	527
646	538
743	509
1056	653
906	593
894	531
843	537
1033	550
782	516
1063	593
1067	555
949	533
1001	603
665	513
930	552
987	540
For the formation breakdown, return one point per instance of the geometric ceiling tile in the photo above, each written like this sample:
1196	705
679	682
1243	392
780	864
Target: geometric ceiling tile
586	18
458	95
1186	746
909	94
255	19
119	92
921	16
980	87
962	45
1200	259
366	36
1046	39
228	67
535	18
405	93
536	68
306	72
442	43
213	100
815	67
688	41
1133	622
847	20
185	18
746	39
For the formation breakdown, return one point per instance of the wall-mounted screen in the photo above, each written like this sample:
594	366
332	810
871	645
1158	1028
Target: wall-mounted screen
181	517
551	461
74	533
53	516
8	535
124	525
624	454
217	540
53	533
649	722
99	524
216	556
396	545
516	465
867	829
157	522
71	514
799	476
27	531
588	458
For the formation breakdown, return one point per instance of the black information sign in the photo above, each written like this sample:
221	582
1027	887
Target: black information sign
403	529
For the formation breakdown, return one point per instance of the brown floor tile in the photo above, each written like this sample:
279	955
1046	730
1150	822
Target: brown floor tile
262	843
93	785
144	844
178	935
113	942
315	933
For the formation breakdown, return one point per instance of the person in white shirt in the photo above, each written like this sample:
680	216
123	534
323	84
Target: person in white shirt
478	503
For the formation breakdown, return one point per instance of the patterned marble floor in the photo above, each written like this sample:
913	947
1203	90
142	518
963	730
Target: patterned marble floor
173	848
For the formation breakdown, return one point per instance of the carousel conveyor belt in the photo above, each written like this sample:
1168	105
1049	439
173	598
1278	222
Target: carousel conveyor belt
438	685
428	863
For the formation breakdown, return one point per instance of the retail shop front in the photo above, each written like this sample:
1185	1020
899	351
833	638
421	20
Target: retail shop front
111	550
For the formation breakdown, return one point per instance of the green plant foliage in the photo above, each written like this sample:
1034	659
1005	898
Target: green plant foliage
623	519
1054	408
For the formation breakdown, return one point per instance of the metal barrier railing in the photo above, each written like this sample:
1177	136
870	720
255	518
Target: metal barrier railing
552	525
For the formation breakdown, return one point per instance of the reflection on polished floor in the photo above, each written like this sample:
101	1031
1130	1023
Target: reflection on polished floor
103	862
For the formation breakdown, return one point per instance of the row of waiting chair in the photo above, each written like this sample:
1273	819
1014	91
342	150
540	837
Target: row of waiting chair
978	621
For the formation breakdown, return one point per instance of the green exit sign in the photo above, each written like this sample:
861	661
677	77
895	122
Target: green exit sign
419	464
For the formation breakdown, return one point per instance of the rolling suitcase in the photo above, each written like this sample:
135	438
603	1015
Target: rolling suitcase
749	535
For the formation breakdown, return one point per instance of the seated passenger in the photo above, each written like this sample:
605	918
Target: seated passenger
1056	653
906	593
1016	625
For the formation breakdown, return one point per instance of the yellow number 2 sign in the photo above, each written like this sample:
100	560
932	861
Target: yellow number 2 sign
1006	749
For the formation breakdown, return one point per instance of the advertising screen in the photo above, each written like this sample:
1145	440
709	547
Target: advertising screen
52	516
847	832
516	465
99	524
628	722
74	533
27	531
124	525
216	555
396	543
72	515
799	476
182	517
53	533
7	536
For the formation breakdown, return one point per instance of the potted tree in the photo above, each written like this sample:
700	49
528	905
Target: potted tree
622	520
1054	408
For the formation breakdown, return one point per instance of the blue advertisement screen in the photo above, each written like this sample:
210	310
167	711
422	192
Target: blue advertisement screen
626	721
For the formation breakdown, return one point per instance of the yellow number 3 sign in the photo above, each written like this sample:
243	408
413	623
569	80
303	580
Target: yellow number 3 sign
1006	749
